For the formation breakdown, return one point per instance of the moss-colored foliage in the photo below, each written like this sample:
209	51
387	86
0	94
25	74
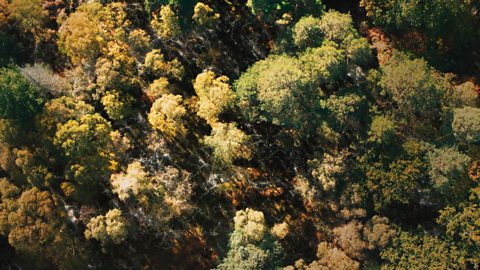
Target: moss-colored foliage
228	143
325	64
307	32
466	124
400	181
19	100
156	64
30	18
420	251
110	228
448	166
251	246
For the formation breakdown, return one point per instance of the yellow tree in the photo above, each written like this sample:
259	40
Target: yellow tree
215	95
79	35
167	114
165	23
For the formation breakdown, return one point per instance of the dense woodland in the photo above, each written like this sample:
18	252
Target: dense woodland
240	135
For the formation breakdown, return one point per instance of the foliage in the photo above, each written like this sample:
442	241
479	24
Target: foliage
112	227
250	245
204	15
215	95
466	124
229	143
307	32
165	23
166	115
417	251
19	100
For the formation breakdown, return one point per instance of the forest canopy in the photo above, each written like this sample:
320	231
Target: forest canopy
240	135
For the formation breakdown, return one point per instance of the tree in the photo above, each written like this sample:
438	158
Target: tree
445	27
329	257
30	18
465	95
324	65
401	180
33	222
215	95
86	144
110	228
79	35
156	64
251	246
117	69
307	32
448	169
421	251
140	41
205	16
19	100
229	143
382	130
462	225
58	111
281	92
337	27
178	190
327	170
166	115
415	88
165	23
158	88
117	107
466	125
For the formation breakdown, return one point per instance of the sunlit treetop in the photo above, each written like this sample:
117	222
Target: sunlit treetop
204	15
215	95
165	23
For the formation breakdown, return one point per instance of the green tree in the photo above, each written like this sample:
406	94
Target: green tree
307	32
251	246
19	100
466	124
416	90
448	168
337	27
421	251
324	65
229	143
